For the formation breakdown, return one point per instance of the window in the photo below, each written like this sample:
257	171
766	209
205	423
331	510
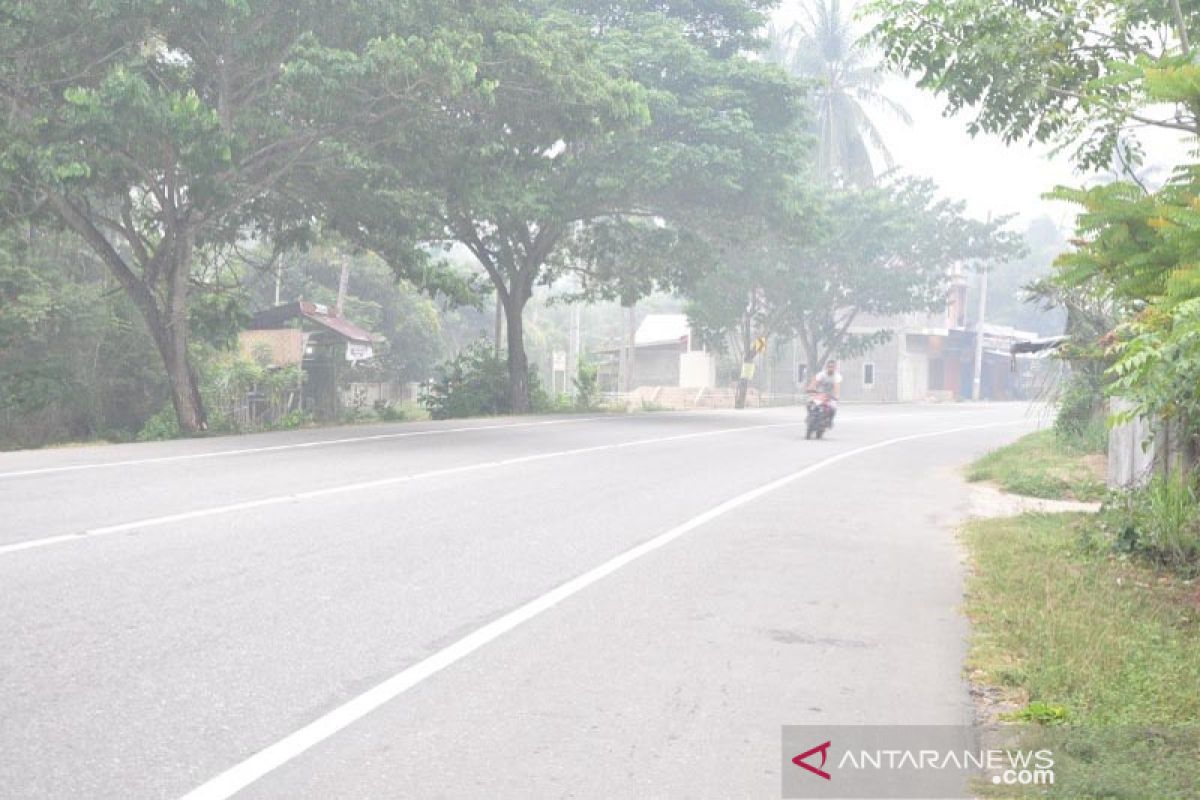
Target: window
868	375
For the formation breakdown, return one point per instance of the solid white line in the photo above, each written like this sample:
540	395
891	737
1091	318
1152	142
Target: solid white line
296	446
296	497
240	776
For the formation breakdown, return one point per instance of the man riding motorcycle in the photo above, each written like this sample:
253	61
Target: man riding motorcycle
828	383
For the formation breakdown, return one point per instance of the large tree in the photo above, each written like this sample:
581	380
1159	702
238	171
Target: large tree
599	116
159	132
824	48
1079	75
884	251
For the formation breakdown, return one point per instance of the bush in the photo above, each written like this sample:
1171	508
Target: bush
472	384
244	395
587	386
161	426
1161	522
390	413
1080	423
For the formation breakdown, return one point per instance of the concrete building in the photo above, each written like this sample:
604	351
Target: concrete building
931	356
665	353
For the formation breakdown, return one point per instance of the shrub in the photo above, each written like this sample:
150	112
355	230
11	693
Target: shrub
474	383
587	386
1080	422
390	413
163	425
1161	522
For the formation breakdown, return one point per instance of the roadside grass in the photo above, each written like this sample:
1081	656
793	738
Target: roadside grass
1098	650
1044	465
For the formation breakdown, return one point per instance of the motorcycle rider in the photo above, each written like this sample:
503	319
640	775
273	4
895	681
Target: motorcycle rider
828	383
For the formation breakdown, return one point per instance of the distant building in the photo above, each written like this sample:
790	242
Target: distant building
666	352
314	336
932	357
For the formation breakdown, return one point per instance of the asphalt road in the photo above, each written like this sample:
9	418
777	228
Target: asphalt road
556	607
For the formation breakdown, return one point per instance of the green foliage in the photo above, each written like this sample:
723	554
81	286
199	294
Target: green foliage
1160	522
1080	419
1158	366
825	50
1046	465
1116	643
163	425
390	413
164	135
599	115
1076	74
1040	713
73	355
1101	654
587	386
472	384
817	284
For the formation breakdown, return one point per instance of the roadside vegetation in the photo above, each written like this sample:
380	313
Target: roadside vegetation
1086	627
436	172
1047	465
1069	633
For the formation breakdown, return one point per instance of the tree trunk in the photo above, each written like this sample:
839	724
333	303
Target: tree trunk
170	338
185	384
518	361
748	356
167	323
631	343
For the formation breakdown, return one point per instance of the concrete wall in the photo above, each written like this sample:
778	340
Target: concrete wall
888	360
1130	451
697	370
1139	449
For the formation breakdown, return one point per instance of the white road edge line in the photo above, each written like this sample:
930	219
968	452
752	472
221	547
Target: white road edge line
296	497
296	446
238	777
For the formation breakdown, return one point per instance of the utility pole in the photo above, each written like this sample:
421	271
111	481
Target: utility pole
977	383
343	285
631	361
499	323
573	347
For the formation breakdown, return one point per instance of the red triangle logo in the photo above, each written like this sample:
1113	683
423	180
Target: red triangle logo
823	749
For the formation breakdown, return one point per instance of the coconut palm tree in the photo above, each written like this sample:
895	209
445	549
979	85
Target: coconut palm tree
823	48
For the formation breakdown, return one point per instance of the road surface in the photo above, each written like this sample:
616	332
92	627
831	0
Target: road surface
623	606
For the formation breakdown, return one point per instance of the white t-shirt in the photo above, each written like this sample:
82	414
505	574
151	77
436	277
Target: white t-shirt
826	383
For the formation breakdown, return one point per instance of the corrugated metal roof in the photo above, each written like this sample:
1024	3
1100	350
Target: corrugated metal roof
323	315
318	313
662	328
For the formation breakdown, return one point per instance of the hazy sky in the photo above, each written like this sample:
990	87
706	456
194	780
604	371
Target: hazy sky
982	170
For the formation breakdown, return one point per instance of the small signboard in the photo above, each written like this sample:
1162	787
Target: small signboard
356	351
560	361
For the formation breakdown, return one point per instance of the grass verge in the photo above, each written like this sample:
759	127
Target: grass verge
1073	636
1043	465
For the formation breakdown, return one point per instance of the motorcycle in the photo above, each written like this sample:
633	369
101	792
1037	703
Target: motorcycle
820	415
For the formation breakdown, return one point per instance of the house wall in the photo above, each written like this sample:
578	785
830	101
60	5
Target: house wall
656	366
892	371
697	370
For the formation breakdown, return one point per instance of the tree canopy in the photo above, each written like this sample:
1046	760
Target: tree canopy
157	132
816	286
1075	74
